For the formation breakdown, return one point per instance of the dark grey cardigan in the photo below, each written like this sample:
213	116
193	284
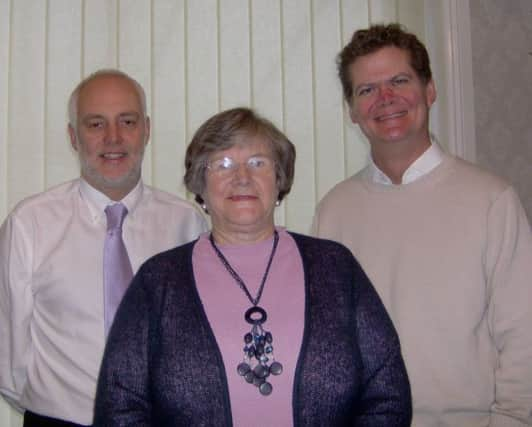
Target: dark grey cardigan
162	366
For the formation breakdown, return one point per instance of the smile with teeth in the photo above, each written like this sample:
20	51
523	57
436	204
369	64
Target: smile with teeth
113	156
390	116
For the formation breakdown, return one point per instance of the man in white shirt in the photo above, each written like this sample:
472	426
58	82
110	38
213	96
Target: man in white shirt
52	253
447	245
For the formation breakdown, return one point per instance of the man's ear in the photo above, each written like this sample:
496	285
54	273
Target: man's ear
73	137
430	92
148	130
352	113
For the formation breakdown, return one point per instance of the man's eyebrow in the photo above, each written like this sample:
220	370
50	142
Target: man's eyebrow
91	116
402	74
374	82
364	84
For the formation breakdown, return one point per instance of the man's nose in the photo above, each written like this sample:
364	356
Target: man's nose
112	134
386	92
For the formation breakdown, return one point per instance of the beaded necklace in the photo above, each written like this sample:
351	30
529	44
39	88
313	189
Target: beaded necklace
259	361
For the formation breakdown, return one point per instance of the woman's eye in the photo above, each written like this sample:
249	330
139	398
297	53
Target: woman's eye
256	162
224	164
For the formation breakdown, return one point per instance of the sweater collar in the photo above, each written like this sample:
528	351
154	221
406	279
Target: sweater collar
425	163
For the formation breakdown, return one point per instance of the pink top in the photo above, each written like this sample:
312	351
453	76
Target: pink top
225	303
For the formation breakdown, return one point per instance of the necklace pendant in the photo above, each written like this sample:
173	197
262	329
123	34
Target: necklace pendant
253	313
259	362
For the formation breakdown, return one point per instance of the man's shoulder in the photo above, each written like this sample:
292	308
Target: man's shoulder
346	190
476	177
49	198
171	211
165	199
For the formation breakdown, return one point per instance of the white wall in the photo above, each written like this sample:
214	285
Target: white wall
194	58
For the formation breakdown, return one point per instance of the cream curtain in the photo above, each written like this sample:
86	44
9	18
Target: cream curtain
194	58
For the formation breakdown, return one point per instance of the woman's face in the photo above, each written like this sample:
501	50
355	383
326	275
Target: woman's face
241	191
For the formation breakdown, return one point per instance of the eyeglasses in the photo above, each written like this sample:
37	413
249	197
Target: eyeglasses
226	166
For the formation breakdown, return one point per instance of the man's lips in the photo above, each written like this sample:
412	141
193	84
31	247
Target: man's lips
113	155
390	116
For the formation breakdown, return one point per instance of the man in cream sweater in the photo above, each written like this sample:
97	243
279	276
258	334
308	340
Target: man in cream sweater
447	245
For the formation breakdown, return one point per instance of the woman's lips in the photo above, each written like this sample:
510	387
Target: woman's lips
242	198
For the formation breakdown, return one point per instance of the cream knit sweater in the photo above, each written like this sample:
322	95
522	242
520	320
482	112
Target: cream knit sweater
451	256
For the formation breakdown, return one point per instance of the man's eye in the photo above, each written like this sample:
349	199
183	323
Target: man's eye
364	91
128	122
95	124
400	81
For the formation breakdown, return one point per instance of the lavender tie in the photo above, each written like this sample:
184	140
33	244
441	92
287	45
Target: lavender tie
117	271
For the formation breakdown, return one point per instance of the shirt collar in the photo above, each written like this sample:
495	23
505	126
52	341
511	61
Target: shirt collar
97	201
425	163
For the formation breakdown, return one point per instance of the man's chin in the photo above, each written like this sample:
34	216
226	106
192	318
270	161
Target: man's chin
121	183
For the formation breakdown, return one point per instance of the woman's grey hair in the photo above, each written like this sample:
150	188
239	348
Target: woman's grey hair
73	100
231	127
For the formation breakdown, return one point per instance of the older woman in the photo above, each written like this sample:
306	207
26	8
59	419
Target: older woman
250	325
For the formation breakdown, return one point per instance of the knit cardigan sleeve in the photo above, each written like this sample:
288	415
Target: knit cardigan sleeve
352	371
154	370
122	397
385	398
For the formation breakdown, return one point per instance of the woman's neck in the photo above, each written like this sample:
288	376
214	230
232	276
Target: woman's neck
241	237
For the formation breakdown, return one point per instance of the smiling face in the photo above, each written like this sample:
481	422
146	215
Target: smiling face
110	135
390	103
242	203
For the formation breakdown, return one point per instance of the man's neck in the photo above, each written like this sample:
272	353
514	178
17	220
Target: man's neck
394	158
114	193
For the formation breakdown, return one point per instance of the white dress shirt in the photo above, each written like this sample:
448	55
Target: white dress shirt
431	158
51	288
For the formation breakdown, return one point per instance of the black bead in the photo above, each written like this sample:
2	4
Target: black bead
265	388
276	368
260	371
243	368
249	377
258	381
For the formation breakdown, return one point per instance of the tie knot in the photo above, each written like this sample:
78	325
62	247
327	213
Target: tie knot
115	216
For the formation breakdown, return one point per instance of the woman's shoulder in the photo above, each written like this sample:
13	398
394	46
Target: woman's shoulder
172	260
319	245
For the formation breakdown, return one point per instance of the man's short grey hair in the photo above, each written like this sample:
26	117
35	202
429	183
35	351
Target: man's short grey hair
73	100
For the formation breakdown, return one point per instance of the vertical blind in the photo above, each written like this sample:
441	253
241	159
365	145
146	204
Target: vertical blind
194	58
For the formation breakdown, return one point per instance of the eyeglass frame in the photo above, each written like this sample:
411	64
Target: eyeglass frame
234	166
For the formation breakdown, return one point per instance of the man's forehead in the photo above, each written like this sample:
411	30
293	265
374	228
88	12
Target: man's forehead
382	64
89	115
108	86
